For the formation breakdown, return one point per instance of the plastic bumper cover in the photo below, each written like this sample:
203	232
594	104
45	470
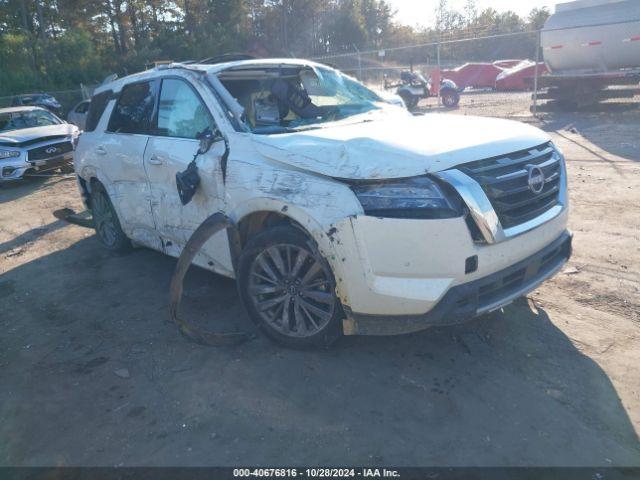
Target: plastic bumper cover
469	300
13	169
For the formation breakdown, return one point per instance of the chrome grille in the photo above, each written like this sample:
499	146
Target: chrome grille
40	153
505	181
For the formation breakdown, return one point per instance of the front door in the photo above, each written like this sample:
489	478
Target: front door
182	117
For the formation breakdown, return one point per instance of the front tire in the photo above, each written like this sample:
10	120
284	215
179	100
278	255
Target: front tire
288	289
450	97
410	100
106	222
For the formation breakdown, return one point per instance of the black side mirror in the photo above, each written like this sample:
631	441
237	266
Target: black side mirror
188	180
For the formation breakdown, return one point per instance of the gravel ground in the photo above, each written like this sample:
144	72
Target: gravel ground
92	373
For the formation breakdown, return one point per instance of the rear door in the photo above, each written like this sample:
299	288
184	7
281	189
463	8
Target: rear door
79	114
120	153
182	116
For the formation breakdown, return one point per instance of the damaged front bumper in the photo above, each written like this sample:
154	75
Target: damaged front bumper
469	300
15	168
402	275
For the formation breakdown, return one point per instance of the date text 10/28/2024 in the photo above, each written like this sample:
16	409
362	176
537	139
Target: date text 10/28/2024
315	473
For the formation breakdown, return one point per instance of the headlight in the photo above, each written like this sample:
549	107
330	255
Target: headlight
557	150
8	154
418	197
75	136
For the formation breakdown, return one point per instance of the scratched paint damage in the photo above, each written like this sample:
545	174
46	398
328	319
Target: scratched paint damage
383	266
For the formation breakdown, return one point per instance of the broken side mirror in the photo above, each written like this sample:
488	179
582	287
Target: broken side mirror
187	181
207	139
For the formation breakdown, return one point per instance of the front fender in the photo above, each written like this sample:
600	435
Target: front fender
324	235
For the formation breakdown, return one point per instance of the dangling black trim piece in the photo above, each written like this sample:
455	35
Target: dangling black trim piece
223	160
208	228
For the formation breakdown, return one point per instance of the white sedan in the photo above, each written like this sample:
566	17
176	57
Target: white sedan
33	139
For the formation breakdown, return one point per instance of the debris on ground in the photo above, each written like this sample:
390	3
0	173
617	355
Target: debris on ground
122	373
571	270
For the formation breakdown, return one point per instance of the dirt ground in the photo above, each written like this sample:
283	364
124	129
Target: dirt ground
92	373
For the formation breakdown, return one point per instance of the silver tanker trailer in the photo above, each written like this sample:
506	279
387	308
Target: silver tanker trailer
592	51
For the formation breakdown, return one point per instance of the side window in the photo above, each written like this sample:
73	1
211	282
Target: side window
181	112
83	107
134	108
96	109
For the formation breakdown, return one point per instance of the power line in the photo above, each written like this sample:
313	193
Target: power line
430	44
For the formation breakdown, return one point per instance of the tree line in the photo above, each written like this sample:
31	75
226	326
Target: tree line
59	44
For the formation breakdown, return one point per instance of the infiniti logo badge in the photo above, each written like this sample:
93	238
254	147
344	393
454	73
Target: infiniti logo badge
535	178
51	150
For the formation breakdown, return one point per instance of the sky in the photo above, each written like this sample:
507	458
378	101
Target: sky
422	12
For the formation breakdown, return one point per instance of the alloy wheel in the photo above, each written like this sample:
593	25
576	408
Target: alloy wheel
292	290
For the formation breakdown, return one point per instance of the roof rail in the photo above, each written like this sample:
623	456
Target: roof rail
178	65
227	57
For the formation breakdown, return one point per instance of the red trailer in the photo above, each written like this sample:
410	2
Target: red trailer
476	75
519	77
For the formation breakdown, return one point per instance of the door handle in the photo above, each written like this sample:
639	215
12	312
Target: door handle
100	150
155	160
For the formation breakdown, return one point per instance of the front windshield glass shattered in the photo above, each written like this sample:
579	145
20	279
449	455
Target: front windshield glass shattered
291	98
26	119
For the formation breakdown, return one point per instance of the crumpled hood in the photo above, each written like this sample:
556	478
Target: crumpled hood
16	137
400	146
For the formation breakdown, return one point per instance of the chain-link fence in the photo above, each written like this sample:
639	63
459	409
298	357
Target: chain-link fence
67	98
494	75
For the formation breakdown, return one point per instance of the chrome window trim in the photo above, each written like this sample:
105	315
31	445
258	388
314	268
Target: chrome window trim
485	216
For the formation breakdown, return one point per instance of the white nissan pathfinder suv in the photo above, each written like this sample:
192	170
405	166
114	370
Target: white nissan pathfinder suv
348	214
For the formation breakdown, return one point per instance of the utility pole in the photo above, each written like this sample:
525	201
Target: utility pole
535	75
439	70
285	35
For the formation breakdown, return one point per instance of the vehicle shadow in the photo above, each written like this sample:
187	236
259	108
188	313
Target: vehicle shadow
612	127
31	235
94	374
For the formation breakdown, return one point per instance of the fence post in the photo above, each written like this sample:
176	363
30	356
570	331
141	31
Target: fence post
535	76
439	71
359	63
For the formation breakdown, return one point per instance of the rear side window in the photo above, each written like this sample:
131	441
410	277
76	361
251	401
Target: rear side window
96	109
134	109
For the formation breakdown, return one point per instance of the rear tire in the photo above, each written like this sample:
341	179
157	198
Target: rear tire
106	222
288	289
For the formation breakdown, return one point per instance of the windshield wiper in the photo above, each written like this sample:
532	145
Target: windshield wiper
274	130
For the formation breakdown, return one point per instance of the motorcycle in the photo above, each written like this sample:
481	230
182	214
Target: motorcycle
413	87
